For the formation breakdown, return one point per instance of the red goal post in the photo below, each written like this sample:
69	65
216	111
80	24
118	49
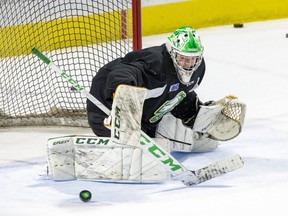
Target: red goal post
137	27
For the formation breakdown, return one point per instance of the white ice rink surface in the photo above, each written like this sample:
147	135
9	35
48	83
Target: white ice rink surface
249	62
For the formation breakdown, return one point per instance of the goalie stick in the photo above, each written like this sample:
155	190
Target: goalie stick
175	168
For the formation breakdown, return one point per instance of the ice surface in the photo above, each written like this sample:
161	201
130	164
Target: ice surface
249	62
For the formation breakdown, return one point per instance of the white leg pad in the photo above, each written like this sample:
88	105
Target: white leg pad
95	158
60	152
186	140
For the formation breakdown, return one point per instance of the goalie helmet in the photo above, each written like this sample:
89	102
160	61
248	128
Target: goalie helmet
186	51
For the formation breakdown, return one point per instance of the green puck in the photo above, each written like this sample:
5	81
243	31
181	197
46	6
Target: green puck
85	195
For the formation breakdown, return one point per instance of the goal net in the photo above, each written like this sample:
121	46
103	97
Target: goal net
79	36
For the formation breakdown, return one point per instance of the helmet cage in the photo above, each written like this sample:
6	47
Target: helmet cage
185	74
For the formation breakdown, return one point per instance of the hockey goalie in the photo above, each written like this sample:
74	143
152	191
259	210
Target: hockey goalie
151	91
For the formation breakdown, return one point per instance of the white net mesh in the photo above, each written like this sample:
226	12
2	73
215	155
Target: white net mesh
80	36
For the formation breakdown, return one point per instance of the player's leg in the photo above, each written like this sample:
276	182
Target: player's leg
183	138
96	122
96	158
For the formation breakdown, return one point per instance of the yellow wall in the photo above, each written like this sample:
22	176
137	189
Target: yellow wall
204	13
156	19
59	33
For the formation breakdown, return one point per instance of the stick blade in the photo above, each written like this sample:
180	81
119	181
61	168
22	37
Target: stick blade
219	168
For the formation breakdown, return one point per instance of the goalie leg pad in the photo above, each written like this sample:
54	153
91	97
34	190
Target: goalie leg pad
182	138
98	159
60	158
204	144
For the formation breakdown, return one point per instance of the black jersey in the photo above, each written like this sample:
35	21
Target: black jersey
153	69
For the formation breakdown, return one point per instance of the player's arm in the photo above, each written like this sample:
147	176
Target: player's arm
187	110
122	74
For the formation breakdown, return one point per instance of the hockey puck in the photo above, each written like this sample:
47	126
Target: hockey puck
287	35
85	195
238	25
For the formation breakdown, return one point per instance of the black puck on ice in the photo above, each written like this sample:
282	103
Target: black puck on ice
85	195
238	25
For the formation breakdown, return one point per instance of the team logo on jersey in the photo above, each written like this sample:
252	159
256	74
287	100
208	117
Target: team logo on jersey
167	107
174	87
